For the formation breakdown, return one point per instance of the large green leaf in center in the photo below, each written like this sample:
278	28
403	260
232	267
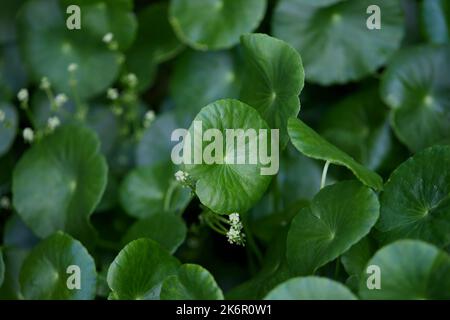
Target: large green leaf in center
227	187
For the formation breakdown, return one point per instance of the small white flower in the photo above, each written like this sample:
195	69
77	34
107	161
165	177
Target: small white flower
234	218
28	135
53	123
108	38
72	67
112	94
131	80
150	115
60	99
2	115
5	203
45	84
181	176
149	118
23	95
235	236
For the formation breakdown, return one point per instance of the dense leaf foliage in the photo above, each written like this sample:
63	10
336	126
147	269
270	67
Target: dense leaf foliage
224	149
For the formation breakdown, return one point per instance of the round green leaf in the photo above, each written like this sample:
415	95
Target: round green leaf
150	190
416	199
273	80
191	283
48	272
168	229
338	217
155	43
435	18
409	269
310	288
215	24
201	78
58	182
359	126
311	144
417	88
8	127
333	37
138	271
228	187
49	47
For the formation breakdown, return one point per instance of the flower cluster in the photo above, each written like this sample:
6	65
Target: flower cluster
181	176
28	135
235	234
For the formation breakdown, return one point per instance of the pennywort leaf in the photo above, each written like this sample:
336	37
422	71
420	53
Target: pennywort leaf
192	282
338	217
311	144
58	268
215	24
228	184
140	268
149	190
416	199
58	183
310	288
416	87
409	269
336	44
273	80
168	229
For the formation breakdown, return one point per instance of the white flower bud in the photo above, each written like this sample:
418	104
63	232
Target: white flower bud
60	99
45	84
72	67
108	38
112	94
28	135
53	123
23	95
2	115
131	80
5	203
181	176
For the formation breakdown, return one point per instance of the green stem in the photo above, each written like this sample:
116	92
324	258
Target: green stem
252	244
324	174
168	197
51	99
79	107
